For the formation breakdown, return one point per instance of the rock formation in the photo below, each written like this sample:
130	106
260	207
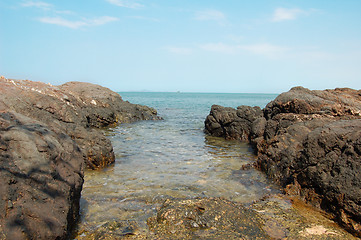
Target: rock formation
41	175
47	134
307	141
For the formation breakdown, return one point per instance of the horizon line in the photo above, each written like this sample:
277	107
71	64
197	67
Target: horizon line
149	91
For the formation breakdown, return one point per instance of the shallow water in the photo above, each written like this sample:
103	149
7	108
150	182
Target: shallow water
172	158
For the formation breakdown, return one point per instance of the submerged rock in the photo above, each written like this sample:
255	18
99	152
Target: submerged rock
47	134
113	230
289	218
309	142
205	218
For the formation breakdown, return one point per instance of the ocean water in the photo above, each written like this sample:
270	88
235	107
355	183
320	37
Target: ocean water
173	158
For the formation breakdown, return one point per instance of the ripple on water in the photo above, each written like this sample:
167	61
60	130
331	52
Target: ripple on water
159	160
154	163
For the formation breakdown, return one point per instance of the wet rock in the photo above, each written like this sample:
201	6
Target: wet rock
309	142
205	218
112	231
286	218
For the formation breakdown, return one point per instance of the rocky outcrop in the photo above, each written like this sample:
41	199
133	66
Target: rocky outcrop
47	134
232	123
41	175
310	143
74	108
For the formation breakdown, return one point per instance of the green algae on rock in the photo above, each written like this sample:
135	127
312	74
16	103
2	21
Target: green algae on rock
206	218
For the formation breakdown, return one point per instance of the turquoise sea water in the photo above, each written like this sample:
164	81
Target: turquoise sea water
197	104
171	158
187	111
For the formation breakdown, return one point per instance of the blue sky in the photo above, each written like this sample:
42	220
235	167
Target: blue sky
265	46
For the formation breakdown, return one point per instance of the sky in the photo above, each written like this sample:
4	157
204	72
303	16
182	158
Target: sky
263	46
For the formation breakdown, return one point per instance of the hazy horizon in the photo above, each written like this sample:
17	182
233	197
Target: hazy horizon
187	46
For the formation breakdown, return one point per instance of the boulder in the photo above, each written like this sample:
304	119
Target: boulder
232	123
309	143
47	134
102	107
75	108
41	175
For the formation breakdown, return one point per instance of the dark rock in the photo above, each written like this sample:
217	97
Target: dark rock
47	133
231	123
103	107
205	218
330	170
41	179
299	100
309	142
73	108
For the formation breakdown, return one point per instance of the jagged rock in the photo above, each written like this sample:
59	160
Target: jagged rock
309	142
47	134
41	175
103	107
74	108
231	123
299	100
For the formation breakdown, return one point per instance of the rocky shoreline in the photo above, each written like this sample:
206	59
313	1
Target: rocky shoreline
307	141
48	134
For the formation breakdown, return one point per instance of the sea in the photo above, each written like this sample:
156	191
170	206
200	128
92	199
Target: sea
171	158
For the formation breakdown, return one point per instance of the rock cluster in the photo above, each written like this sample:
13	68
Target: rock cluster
307	141
47	134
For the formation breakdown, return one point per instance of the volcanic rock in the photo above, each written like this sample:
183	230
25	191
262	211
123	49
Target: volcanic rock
232	123
47	134
310	143
74	108
41	175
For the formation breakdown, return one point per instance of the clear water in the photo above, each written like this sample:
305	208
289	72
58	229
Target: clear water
173	158
156	160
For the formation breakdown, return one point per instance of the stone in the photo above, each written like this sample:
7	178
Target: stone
308	142
231	123
75	108
47	135
41	180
